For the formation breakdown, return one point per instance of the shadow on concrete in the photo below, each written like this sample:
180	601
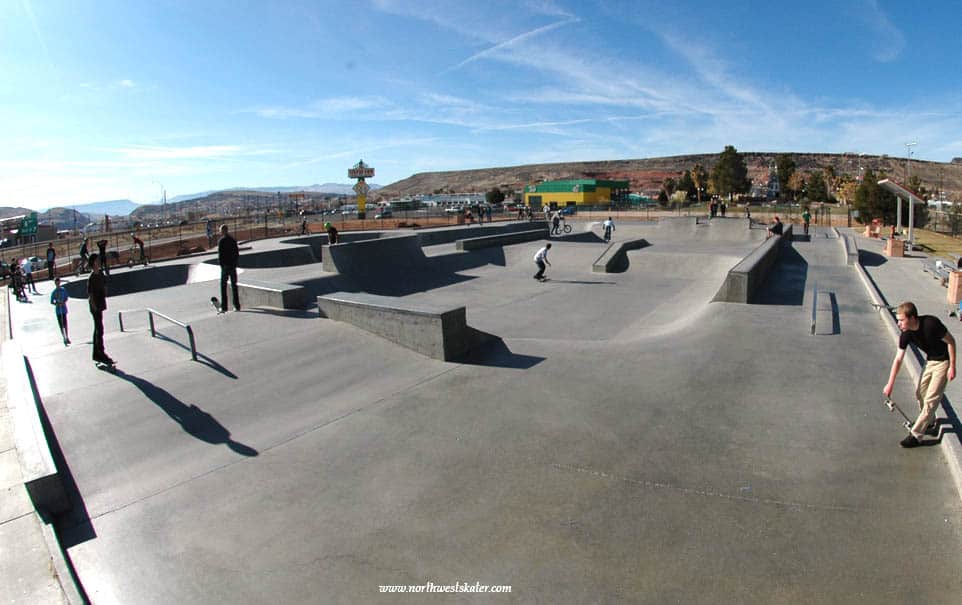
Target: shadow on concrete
495	353
870	259
74	526
585	237
575	281
195	421
291	313
201	358
786	281
389	280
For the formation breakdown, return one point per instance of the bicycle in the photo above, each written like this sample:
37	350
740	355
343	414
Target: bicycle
143	259
561	228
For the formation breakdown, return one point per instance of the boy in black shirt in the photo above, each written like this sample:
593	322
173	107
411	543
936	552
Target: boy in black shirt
931	336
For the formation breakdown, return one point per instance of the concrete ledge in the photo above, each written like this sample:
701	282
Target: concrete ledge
268	294
747	277
851	250
615	257
447	235
40	475
501	239
432	331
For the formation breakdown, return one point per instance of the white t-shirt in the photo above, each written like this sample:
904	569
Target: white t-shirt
542	255
609	224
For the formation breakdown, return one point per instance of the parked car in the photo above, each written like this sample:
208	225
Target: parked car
384	213
453	210
568	210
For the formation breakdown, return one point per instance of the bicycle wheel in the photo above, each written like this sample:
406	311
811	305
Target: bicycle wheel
567	228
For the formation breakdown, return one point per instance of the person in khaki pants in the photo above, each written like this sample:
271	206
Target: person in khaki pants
930	335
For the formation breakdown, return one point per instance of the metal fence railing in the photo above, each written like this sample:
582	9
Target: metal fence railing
153	330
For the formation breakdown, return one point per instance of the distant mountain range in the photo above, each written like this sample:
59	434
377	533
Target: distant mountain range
331	188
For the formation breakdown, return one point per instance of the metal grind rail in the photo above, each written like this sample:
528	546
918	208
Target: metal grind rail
153	331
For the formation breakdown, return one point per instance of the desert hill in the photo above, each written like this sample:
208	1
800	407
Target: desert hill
648	174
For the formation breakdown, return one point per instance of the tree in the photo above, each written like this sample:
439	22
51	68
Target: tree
796	183
700	177
663	198
730	174
493	197
669	186
817	191
847	191
785	166
687	184
873	202
954	217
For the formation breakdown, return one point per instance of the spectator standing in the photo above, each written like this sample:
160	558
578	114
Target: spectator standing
51	261
104	263
807	218
227	256
775	228
140	244
28	276
84	255
97	300
58	298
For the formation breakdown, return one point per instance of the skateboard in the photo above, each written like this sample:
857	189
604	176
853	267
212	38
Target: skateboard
216	304
894	407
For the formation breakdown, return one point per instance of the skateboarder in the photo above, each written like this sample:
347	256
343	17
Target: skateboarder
541	259
609	226
931	336
227	255
331	233
104	261
806	219
97	299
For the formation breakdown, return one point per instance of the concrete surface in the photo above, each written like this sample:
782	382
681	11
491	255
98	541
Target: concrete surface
625	440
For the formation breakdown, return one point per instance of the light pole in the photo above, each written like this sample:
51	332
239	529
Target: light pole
908	158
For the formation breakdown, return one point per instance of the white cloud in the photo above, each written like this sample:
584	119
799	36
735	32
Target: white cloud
886	39
511	43
324	108
149	152
127	84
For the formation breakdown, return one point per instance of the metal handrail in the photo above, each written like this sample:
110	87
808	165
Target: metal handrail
153	330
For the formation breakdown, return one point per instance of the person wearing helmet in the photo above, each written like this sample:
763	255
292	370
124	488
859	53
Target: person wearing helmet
331	233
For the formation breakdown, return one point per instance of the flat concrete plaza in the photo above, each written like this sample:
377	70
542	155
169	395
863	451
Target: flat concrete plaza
626	439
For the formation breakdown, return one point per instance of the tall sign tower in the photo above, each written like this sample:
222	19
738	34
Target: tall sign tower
361	171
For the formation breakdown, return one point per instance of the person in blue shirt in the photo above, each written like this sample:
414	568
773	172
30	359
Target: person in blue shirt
58	298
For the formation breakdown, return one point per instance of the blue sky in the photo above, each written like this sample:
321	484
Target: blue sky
117	99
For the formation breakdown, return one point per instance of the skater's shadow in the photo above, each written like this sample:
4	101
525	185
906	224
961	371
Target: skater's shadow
191	418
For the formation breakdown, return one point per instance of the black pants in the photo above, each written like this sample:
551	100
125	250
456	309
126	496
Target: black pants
607	234
50	269
541	268
99	353
62	322
225	273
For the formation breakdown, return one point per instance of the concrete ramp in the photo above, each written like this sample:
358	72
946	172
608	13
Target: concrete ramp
142	279
374	256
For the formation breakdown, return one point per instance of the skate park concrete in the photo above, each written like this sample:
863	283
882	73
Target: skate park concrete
626	439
